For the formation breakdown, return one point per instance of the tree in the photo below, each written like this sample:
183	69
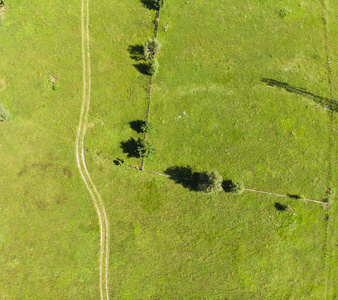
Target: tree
147	126
145	149
4	114
237	187
151	48
210	182
153	67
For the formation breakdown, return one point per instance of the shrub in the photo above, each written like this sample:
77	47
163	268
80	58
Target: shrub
151	48
4	114
330	193
145	149
298	197
119	161
210	182
153	67
237	187
283	13
147	126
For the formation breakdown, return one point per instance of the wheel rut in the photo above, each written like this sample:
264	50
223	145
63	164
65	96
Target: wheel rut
80	154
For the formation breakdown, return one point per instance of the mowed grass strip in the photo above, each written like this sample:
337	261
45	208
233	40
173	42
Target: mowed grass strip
49	234
211	110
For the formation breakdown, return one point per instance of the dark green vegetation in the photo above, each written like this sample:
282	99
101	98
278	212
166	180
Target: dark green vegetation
210	110
153	67
210	182
147	127
151	48
145	149
236	187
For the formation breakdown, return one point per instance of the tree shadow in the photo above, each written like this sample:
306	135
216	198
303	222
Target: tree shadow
136	125
227	186
119	161
325	102
143	68
184	176
151	4
136	52
130	147
280	207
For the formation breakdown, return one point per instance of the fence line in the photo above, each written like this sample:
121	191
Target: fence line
246	189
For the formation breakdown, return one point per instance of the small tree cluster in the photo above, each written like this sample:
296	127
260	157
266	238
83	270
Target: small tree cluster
210	182
119	162
283	13
330	193
237	187
147	127
151	48
145	149
4	114
153	67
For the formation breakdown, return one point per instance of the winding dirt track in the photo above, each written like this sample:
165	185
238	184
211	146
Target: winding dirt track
80	157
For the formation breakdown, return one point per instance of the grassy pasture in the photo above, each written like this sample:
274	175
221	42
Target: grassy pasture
211	110
49	236
261	134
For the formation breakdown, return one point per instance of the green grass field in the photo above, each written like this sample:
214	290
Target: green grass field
49	236
211	110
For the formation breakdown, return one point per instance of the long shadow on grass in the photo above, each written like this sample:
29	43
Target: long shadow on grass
227	185
184	176
325	102
151	4
136	52
280	207
130	147
143	68
136	125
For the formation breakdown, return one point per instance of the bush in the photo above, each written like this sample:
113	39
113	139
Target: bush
330	193
119	162
153	67
4	114
210	182
145	149
294	196
283	13
147	127
151	48
237	187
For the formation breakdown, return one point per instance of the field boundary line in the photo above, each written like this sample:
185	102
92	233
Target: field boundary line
157	23
80	154
246	189
332	131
